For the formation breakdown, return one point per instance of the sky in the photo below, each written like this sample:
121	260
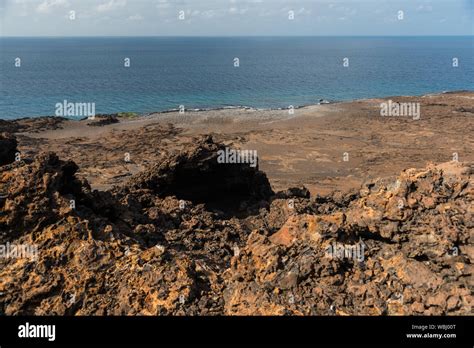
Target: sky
236	17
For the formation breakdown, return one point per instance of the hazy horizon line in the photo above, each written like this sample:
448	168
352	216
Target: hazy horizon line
219	36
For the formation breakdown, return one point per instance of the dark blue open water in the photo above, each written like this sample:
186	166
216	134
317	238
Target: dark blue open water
200	72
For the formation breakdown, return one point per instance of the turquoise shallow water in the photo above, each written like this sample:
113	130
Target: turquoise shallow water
200	73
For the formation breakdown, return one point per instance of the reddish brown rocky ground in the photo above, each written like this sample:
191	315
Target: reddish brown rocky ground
162	244
306	148
170	231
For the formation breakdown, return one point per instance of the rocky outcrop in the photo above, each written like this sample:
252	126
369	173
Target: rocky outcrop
402	247
8	148
191	236
9	126
103	120
196	175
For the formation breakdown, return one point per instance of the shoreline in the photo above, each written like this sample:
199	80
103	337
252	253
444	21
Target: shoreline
192	236
344	209
238	107
302	149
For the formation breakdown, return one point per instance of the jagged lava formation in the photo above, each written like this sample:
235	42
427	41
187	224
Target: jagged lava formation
190	236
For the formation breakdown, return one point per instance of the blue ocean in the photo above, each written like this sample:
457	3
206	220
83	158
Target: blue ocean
271	72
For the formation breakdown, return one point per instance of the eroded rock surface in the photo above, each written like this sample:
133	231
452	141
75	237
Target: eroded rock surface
196	175
8	148
192	236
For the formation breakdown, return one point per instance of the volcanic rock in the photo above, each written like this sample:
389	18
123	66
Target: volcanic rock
196	175
411	260
175	241
103	120
8	148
